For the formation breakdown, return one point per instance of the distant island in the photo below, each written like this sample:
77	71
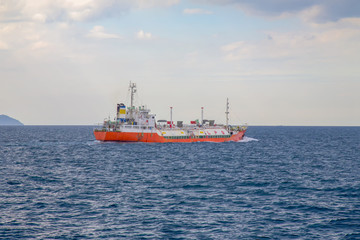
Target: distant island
6	120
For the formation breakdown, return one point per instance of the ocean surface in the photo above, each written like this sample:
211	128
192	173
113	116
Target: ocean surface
58	182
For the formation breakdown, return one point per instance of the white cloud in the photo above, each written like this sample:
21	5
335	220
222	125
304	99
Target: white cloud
154	3
99	32
317	44
25	35
143	35
233	46
326	50
322	39
69	10
196	11
39	17
3	46
39	45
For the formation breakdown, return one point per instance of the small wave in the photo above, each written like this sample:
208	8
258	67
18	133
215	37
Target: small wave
92	142
248	139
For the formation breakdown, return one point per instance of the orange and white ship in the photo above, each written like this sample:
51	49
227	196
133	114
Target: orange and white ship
136	124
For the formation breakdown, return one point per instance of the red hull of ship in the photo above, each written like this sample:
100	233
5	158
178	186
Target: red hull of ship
153	137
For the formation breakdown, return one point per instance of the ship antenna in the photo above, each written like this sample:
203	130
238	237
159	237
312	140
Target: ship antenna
202	115
227	112
171	117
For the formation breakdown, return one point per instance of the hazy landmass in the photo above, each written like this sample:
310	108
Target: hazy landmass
6	120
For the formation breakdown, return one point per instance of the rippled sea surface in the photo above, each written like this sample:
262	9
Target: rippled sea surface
58	182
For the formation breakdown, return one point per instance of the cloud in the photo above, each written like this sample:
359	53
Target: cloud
3	46
232	46
153	3
29	36
69	10
39	45
143	35
196	11
84	10
99	32
322	48
39	17
321	11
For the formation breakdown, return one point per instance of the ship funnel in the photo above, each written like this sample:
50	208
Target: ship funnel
121	113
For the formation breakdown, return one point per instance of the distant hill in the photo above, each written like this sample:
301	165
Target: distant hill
6	120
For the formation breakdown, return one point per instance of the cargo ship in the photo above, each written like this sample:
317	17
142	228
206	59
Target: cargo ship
136	124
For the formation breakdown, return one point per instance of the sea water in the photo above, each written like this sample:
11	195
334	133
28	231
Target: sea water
58	182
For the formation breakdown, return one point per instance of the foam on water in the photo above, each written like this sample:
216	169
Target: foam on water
248	139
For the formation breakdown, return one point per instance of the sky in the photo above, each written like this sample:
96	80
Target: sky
280	62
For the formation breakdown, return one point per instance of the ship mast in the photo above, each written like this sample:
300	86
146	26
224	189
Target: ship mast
132	88
227	112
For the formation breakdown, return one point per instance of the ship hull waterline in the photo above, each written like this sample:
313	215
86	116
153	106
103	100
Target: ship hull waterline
154	137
